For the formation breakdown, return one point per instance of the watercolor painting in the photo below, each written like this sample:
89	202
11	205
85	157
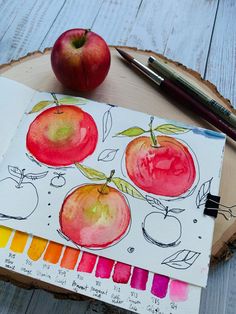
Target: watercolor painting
160	164
120	284
61	135
122	191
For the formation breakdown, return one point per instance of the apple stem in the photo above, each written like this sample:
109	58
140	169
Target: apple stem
57	103
108	180
153	137
22	176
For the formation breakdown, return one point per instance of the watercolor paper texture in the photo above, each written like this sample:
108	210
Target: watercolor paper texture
106	280
113	182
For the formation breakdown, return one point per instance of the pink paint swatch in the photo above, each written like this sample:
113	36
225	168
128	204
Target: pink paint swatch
139	278
179	291
87	262
104	267
121	273
160	285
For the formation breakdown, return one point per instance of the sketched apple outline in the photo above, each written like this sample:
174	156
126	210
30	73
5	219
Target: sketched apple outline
24	198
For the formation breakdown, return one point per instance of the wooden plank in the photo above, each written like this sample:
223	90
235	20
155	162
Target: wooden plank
181	30
74	14
8	13
44	302
115	20
13	299
231	291
222	57
213	300
29	28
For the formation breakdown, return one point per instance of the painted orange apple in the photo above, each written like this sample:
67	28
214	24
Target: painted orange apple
95	216
62	135
165	169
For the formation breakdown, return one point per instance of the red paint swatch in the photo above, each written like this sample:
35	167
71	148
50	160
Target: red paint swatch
69	258
104	267
121	273
139	278
179	291
53	252
87	262
160	285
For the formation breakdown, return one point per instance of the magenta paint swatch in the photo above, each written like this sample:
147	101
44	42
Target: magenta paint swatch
160	285
104	267
178	290
122	273
87	262
139	278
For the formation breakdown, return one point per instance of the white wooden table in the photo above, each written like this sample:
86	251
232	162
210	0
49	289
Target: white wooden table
199	34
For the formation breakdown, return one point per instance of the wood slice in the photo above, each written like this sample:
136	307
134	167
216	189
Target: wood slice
126	87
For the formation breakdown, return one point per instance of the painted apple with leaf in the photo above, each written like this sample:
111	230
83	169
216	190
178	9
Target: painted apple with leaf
62	134
97	215
161	165
19	196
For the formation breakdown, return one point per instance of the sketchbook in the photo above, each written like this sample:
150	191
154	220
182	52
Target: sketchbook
109	181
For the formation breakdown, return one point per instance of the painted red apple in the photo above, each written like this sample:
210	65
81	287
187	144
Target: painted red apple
95	216
80	59
166	169
62	135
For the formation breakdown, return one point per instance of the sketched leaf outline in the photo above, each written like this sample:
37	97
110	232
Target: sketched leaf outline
203	191
73	101
171	129
14	171
131	132
107	155
41	105
36	176
106	124
154	202
91	173
176	210
127	188
182	259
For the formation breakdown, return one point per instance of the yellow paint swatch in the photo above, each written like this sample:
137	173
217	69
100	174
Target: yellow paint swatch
5	234
19	241
53	252
36	248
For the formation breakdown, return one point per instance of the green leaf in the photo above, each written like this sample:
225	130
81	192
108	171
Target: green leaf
73	101
126	187
91	173
135	131
41	105
171	129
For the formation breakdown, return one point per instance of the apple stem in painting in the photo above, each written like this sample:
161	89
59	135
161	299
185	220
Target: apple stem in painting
5	234
22	176
104	187
153	137
56	103
104	267
139	278
121	273
87	262
69	258
36	248
179	291
160	285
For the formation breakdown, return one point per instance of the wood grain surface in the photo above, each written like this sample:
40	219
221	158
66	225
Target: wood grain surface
200	34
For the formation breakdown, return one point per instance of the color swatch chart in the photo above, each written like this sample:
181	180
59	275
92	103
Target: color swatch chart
101	278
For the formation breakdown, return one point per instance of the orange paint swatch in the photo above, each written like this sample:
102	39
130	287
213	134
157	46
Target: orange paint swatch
36	248
70	258
53	252
19	241
5	234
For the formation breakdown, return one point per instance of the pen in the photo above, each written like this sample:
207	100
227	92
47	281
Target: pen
179	94
193	90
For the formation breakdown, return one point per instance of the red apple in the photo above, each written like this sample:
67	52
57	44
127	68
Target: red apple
80	59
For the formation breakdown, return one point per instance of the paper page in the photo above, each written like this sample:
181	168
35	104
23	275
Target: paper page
106	280
15	97
119	183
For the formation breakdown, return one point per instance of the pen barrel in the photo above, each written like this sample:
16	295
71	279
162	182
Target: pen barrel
189	102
